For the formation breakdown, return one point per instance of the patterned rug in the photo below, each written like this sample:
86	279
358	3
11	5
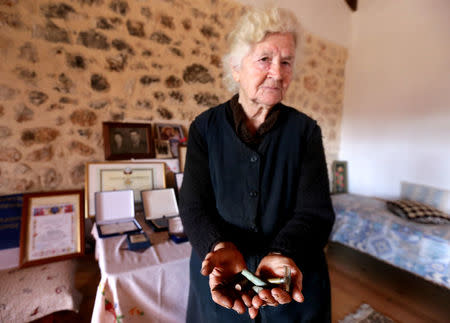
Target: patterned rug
366	314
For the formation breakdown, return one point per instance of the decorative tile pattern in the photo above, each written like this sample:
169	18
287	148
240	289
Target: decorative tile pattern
365	224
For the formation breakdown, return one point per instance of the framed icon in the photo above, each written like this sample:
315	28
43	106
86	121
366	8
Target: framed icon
340	182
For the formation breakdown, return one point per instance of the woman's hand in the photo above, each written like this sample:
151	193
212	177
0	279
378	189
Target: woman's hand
221	265
270	266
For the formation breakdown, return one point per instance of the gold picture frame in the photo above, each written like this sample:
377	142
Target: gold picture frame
110	176
52	227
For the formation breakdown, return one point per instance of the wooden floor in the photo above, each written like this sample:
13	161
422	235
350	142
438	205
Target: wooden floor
355	279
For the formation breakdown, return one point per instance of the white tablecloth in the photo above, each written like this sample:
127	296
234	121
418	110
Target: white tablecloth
148	286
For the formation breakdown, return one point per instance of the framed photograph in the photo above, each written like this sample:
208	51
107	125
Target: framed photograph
171	132
116	176
182	149
339	170
167	131
127	140
52	227
162	149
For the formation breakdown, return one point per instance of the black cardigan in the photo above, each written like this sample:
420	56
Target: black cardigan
273	197
228	188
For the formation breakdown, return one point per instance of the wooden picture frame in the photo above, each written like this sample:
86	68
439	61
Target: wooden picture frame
115	175
173	133
52	227
162	149
339	173
168	131
182	149
127	140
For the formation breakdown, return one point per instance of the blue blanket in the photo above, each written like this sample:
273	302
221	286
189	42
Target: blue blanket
365	224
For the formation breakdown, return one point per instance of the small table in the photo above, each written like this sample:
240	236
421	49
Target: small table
144	286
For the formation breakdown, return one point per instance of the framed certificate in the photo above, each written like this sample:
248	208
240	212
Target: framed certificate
124	179
114	176
52	227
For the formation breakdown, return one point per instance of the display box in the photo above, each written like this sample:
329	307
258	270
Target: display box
138	241
159	207
176	230
114	213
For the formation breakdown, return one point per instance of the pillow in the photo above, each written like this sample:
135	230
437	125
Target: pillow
439	198
417	212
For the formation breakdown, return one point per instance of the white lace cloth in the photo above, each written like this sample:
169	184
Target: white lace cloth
31	293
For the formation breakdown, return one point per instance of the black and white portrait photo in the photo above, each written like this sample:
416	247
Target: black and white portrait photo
127	140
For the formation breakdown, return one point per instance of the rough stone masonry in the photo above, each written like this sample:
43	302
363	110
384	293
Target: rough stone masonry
67	66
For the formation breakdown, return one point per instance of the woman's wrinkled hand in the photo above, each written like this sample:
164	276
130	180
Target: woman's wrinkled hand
221	265
273	265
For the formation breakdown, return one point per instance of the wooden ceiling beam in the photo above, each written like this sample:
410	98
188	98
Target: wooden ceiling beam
353	4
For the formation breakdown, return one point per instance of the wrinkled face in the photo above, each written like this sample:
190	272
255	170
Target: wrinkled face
118	139
266	71
135	137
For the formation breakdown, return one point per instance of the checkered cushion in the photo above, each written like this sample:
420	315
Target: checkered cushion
436	197
417	212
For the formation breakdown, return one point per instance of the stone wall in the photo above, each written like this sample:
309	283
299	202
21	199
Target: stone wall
67	66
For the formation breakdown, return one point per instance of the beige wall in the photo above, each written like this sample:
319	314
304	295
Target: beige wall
65	67
396	124
327	19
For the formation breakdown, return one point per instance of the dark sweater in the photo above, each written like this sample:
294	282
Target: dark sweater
272	195
295	187
269	194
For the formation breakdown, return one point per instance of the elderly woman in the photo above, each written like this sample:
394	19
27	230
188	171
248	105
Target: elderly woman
255	192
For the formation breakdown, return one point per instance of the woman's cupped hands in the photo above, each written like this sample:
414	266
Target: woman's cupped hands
225	261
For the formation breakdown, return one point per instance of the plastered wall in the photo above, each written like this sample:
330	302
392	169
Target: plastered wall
396	124
67	66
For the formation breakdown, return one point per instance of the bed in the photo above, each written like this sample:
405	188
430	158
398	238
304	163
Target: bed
366	224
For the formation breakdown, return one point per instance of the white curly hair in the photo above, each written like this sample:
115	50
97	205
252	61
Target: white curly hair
251	28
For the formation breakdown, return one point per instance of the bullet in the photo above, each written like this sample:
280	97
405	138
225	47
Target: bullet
277	280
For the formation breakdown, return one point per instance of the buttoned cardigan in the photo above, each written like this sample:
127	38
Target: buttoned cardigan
274	197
